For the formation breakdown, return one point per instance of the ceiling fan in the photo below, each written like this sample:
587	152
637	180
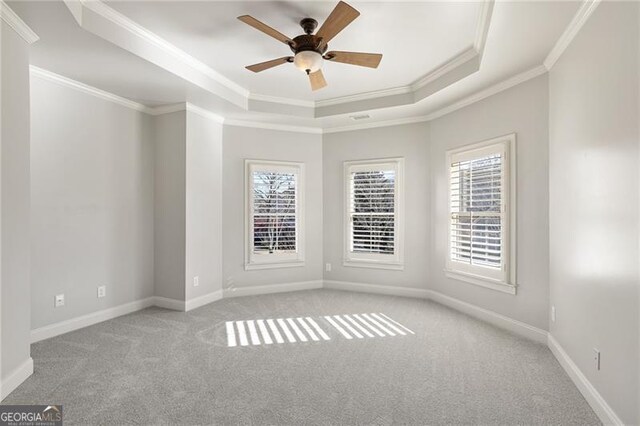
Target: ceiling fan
310	50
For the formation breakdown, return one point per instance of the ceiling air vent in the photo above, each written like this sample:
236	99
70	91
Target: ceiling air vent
359	117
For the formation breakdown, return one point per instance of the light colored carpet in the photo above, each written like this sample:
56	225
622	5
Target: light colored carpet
163	367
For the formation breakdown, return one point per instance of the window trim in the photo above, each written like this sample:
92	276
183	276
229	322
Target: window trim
507	281
274	261
375	260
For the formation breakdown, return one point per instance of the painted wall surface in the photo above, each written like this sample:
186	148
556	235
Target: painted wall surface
92	203
594	195
247	143
203	205
169	205
523	110
14	202
410	142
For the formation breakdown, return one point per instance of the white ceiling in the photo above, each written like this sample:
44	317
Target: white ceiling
65	48
520	36
414	38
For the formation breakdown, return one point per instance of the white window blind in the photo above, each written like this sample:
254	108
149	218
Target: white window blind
274	204
477	211
372	212
480	212
274	212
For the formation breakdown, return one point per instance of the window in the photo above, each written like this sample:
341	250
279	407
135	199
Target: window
274	214
482	214
373	207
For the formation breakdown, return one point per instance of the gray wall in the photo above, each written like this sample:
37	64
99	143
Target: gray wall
169	205
410	142
92	203
14	226
523	110
242	143
594	195
203	205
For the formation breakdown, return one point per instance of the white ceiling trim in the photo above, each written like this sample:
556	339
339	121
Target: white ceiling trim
476	50
483	27
570	32
476	97
167	109
490	91
85	88
273	126
374	125
13	20
121	20
146	36
363	96
204	113
446	68
583	14
280	100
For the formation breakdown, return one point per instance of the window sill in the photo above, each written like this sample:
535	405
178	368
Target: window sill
373	265
481	281
273	265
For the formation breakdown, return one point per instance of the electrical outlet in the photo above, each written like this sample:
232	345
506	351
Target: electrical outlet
596	358
59	300
327	267
102	291
553	313
196	281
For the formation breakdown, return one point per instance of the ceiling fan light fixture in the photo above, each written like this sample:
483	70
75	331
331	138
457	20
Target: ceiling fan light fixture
308	61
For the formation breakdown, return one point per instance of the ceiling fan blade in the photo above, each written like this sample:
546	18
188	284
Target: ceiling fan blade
269	64
317	80
370	60
341	16
260	26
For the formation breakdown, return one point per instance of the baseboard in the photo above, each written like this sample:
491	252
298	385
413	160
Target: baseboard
167	303
203	300
16	378
499	320
77	323
72	324
376	289
593	397
273	288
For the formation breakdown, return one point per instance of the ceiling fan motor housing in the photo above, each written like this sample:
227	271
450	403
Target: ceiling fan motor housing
308	41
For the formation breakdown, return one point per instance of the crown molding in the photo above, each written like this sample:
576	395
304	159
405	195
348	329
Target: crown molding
444	69
167	109
476	50
204	113
363	96
489	91
19	26
186	106
483	26
121	20
273	126
476	97
423	81
378	124
143	36
586	10
281	100
85	88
